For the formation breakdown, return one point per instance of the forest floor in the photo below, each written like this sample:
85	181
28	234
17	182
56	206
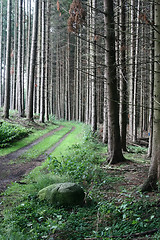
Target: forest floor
13	168
119	183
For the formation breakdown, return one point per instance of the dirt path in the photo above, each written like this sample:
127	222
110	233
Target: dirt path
14	172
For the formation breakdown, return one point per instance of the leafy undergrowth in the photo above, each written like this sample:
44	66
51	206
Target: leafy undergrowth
11	132
112	208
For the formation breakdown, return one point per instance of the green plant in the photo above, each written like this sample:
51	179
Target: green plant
52	118
33	219
128	216
79	163
11	132
135	149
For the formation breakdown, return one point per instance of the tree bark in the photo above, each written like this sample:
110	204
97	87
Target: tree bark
93	66
154	170
150	129
123	79
42	102
1	23
47	61
88	66
14	82
19	61
28	51
8	61
33	62
131	70
114	141
135	92
38	86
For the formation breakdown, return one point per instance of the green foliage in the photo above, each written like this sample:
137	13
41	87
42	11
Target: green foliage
33	219
10	132
79	163
52	118
134	149
128	216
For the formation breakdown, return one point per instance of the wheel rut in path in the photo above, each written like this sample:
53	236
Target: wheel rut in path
14	172
20	151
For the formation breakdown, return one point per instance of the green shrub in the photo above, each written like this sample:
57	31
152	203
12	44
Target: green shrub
10	132
79	164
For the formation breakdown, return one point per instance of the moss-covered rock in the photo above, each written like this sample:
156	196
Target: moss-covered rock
63	194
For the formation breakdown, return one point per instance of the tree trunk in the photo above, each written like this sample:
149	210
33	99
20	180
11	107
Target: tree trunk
47	61
77	78
154	171
88	66
123	80
28	51
33	62
42	103
105	109
80	80
8	61
38	86
1	23
114	141
93	67
15	57
135	92
131	70
19	62
150	129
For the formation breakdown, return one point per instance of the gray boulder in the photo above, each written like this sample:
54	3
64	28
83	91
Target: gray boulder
63	194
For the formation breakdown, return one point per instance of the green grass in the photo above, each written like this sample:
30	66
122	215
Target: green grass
74	137
45	144
27	140
137	154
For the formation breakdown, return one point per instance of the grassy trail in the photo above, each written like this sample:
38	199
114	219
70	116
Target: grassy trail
15	165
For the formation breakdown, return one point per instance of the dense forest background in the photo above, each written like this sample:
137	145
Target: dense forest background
91	61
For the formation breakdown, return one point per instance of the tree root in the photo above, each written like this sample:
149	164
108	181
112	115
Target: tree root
149	185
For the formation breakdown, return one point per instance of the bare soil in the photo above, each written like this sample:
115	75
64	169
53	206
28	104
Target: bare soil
14	172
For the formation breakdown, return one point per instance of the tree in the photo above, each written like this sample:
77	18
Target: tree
154	170
131	67
42	106
38	84
14	82
8	62
28	49
114	146
19	64
33	61
1	23
93	65
47	61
